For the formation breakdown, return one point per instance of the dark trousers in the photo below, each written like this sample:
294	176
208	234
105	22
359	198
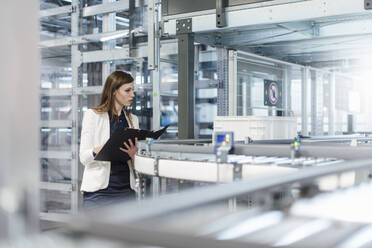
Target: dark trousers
94	200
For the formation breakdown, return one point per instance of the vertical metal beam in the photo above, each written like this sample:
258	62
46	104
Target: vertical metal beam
350	123
196	61
316	103
94	69
132	19
249	96
223	80
287	91
244	86
304	84
313	102
220	13
320	102
196	77
151	35
233	85
186	99
75	65
332	104
108	24
20	138
155	78
154	59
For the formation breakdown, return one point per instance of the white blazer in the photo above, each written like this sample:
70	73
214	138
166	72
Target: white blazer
95	132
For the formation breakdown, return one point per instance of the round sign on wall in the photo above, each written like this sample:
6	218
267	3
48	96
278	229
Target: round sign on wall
273	93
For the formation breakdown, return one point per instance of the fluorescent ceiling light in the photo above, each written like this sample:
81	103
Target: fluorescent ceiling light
114	36
256	61
261	73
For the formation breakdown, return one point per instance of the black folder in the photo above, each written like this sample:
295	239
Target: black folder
111	150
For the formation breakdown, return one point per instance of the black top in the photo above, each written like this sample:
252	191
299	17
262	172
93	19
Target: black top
119	174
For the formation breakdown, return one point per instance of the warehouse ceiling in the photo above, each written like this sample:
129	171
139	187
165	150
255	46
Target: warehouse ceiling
341	43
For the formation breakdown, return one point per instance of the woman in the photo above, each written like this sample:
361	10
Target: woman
108	182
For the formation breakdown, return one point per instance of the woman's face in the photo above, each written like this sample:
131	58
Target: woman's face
125	94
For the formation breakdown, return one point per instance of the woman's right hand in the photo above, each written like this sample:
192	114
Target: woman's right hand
97	149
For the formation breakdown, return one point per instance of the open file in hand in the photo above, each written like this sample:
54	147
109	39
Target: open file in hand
111	150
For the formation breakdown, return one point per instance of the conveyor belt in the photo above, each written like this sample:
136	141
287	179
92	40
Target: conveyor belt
201	218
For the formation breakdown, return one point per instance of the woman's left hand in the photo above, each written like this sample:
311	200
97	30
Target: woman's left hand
131	148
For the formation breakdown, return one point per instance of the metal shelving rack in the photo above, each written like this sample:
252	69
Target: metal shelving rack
71	155
149	51
136	49
109	53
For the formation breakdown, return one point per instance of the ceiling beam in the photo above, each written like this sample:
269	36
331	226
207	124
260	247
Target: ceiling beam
330	55
281	32
297	11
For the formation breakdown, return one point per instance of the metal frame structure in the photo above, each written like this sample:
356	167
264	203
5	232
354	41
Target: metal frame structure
186	27
75	116
198	163
77	59
331	108
231	190
304	102
317	103
139	227
223	81
109	53
73	155
153	58
271	13
310	77
186	98
205	22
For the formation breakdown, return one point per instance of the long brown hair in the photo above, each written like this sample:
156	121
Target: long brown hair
113	82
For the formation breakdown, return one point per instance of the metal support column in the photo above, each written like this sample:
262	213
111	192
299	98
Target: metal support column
223	79
287	104
75	67
248	84
186	99
94	70
331	104
154	60
304	90
233	84
132	43
151	34
220	13
196	77
243	87
155	79
108	24
316	103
